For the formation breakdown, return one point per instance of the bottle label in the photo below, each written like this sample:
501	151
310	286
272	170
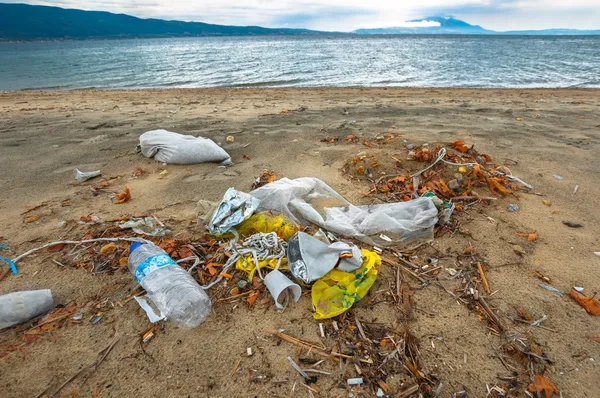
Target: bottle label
151	264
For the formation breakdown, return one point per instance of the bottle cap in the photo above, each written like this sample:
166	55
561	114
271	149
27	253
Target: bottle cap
134	246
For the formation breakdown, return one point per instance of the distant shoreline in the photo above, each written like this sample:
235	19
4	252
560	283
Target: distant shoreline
305	35
312	89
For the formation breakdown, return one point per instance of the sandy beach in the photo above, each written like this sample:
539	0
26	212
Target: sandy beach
537	133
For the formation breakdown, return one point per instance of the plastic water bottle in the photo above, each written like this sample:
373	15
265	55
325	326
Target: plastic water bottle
174	292
19	307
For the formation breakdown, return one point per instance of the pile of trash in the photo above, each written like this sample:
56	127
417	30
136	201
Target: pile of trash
286	236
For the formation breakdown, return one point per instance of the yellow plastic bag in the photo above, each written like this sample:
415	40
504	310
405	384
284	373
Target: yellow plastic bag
337	291
267	222
248	265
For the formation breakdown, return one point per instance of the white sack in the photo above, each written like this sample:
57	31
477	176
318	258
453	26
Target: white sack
174	148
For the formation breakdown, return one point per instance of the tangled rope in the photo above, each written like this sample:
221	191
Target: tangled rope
262	246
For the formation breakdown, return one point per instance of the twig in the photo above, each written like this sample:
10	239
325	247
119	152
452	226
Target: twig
58	318
235	368
234	297
33	208
487	309
484	281
361	331
297	368
460	198
395	264
104	353
312	347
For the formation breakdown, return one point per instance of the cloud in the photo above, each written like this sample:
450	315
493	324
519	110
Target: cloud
345	15
419	24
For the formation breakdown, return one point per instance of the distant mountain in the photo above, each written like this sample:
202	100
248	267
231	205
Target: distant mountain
22	22
27	22
450	25
447	25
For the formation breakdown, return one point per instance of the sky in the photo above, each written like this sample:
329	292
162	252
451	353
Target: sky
347	15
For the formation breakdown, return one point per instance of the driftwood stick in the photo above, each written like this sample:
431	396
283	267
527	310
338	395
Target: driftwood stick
312	347
104	353
489	311
484	281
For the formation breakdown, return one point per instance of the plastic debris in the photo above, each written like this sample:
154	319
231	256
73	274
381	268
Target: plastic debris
19	307
266	222
279	285
558	177
512	207
310	259
337	291
145	226
551	289
11	264
173	148
597	254
153	314
234	208
310	199
355	381
81	176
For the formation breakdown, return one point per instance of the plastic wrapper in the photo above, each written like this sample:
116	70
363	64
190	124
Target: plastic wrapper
234	208
81	176
310	199
174	148
310	259
248	265
268	222
337	291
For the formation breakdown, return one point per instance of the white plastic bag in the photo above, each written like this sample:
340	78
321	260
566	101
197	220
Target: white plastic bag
174	148
312	200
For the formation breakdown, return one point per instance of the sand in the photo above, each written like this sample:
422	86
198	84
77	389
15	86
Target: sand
537	133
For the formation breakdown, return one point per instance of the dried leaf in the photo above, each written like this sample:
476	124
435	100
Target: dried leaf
359	170
524	314
587	303
384	386
110	248
253	297
138	172
32	219
496	183
531	236
542	384
185	252
104	183
226	275
468	249
85	218
596	338
56	248
546	202
235	291
460	146
97	391
124	196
